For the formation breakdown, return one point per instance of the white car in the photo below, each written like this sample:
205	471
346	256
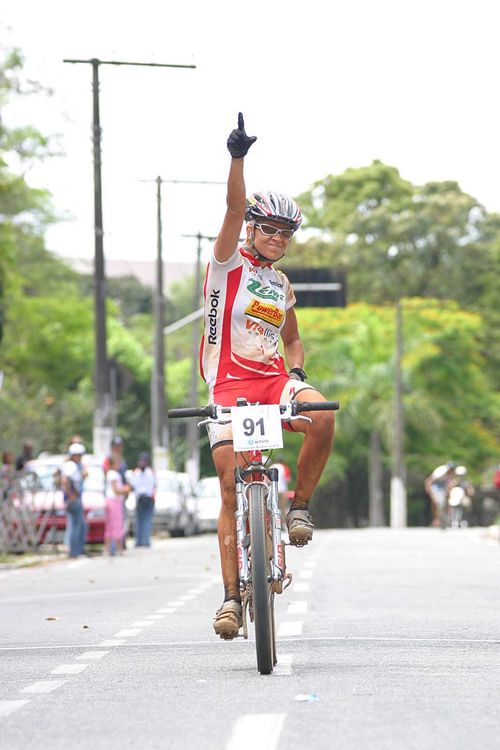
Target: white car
175	507
209	503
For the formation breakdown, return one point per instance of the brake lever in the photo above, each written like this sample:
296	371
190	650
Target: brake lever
299	416
209	420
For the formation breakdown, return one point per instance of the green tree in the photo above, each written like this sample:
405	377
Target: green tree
398	239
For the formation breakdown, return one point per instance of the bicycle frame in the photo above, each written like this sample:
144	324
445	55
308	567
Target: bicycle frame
257	472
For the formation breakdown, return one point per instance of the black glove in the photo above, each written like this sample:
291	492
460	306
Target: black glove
239	142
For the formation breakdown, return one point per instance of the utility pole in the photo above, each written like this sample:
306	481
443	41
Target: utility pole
159	433
104	407
398	486
193	460
159	424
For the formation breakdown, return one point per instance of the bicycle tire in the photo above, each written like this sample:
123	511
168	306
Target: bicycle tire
261	589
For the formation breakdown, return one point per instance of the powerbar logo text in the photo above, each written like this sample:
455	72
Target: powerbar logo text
212	316
269	313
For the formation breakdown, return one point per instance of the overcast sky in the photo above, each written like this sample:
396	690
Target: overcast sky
323	85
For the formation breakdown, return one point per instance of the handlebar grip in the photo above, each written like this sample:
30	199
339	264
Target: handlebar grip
317	406
189	411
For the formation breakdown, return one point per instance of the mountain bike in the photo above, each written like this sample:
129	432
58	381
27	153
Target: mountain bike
260	548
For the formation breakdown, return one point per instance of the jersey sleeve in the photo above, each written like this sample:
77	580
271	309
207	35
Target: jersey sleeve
226	265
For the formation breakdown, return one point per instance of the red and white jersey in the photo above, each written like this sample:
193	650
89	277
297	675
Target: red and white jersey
245	310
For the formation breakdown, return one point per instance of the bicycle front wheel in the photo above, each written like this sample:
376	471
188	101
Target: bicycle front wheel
261	589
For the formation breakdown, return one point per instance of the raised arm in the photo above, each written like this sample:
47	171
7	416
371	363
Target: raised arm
238	144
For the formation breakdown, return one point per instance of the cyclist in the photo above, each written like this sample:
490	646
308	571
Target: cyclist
249	305
437	486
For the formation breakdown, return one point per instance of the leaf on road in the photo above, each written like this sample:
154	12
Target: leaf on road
52	618
85	627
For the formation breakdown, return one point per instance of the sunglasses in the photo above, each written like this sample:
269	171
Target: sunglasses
271	231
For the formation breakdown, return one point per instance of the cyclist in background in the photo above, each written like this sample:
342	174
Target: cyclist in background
249	305
437	486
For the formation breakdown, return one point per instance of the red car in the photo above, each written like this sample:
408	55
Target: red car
43	495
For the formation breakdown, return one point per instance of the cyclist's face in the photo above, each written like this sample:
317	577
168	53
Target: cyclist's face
271	245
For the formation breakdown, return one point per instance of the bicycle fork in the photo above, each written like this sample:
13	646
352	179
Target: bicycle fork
278	578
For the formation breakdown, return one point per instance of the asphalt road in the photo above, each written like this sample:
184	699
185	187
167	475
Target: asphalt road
387	639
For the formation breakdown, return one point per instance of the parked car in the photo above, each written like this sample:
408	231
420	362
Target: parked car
42	487
175	504
209	503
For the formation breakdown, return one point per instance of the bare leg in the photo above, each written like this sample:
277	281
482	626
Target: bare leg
315	449
224	461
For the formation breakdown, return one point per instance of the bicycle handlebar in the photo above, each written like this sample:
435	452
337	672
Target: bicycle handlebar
317	406
211	410
190	411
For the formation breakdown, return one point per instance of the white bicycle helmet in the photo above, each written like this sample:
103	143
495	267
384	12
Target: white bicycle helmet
272	205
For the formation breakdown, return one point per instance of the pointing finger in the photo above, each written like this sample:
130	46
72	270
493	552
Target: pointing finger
241	123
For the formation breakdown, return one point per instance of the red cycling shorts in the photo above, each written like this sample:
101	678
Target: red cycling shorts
278	389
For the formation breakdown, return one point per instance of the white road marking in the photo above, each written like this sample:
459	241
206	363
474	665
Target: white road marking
284	665
290	628
93	655
77	564
309	564
297	608
256	730
155	617
8	707
142	623
177	603
306	573
187	597
197	592
166	610
112	642
69	668
43	686
301	587
127	633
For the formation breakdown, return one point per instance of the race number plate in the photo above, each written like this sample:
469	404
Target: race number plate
256	428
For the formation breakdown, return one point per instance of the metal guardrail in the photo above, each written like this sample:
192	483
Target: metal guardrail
24	525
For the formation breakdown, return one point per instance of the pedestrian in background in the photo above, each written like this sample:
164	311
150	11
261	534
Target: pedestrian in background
115	492
58	485
116	456
25	456
72	475
144	486
7	474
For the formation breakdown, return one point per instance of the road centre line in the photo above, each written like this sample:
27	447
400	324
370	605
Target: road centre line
142	623
177	603
307	573
297	607
69	669
301	587
290	628
284	665
167	610
155	617
8	707
127	633
256	730
93	655
112	642
43	686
